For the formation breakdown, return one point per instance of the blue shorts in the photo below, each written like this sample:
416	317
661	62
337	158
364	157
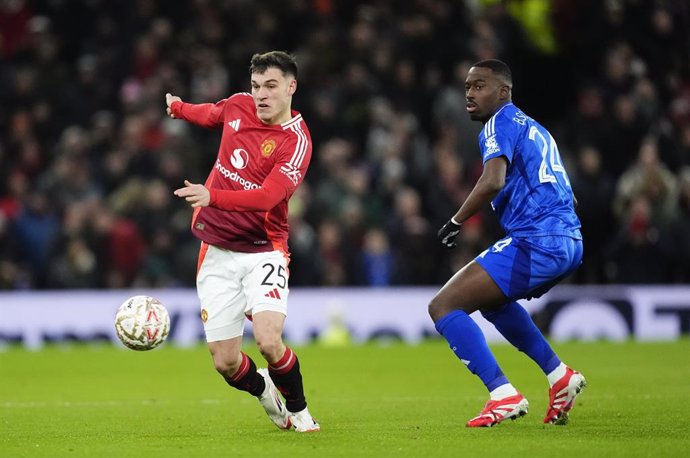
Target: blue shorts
526	268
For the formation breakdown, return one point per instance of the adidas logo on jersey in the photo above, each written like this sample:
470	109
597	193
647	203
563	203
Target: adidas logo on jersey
235	124
273	294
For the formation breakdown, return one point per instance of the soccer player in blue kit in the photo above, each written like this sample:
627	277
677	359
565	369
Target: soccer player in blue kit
524	180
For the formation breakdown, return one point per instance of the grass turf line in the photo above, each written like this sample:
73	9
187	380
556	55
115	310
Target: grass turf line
394	400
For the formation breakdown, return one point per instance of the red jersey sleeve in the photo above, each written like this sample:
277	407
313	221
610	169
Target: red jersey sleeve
203	114
293	159
263	199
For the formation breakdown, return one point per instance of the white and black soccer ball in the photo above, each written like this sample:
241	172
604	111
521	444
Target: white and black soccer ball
142	323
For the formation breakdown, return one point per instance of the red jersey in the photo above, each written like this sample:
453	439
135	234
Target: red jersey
255	161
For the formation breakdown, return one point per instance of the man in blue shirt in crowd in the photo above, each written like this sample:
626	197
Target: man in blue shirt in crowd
528	188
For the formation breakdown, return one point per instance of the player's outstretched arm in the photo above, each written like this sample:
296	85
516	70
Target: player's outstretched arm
203	114
262	199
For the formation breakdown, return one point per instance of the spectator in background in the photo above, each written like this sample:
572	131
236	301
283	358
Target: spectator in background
332	258
123	248
455	129
681	228
12	189
15	19
410	234
74	267
302	240
377	264
368	207
594	189
586	118
450	186
75	263
333	161
37	229
640	252
624	134
649	177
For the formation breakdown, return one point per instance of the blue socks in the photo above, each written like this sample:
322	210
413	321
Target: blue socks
469	344
517	327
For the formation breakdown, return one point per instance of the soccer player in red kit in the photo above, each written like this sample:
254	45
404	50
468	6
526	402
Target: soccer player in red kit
240	216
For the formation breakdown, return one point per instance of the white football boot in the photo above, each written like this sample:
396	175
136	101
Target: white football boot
272	404
304	422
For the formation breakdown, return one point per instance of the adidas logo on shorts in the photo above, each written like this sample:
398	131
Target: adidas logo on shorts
273	294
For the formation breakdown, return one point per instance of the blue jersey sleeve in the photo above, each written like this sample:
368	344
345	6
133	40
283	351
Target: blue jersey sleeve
498	138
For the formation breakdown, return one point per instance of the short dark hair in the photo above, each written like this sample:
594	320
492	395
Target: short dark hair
278	59
497	66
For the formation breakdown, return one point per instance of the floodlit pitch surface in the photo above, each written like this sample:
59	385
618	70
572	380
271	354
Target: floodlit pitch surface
372	400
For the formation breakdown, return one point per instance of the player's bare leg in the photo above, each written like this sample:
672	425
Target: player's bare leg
283	368
472	289
268	330
240	372
226	356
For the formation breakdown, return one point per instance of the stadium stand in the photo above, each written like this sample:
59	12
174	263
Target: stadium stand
88	161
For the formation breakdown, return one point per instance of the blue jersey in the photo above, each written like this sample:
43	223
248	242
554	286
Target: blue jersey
537	199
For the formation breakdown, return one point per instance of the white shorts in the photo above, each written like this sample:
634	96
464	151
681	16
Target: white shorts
233	286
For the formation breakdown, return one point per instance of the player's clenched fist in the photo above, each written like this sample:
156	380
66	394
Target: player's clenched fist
169	99
196	194
447	234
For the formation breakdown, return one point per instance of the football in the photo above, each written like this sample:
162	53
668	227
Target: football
142	323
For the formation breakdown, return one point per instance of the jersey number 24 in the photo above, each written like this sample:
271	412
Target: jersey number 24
551	160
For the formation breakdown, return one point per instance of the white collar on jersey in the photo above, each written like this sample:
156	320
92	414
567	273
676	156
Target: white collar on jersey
295	120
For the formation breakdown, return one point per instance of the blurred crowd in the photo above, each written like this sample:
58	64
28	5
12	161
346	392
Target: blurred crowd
88	159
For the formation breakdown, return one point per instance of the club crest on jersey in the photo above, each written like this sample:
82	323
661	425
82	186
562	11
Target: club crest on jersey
204	315
267	147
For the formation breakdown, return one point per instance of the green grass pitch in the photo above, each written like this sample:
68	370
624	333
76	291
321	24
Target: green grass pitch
371	400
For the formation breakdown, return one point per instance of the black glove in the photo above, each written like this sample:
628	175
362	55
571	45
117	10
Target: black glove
446	235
